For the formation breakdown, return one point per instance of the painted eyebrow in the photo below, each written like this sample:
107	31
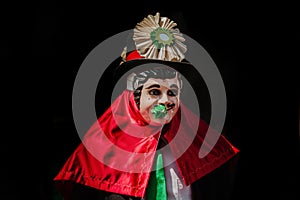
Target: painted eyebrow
152	86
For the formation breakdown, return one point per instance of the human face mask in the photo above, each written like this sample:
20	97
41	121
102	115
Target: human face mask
159	101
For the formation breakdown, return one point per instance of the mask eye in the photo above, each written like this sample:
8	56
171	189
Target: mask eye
155	92
172	93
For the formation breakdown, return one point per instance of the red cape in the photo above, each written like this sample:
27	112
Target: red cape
116	154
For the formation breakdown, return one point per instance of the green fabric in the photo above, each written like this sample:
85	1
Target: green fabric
159	111
160	178
157	189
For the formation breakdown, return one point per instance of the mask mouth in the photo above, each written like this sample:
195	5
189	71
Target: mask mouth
159	111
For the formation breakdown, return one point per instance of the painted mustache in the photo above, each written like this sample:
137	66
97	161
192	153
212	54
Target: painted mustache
160	110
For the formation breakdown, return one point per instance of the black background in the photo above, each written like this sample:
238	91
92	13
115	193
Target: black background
254	45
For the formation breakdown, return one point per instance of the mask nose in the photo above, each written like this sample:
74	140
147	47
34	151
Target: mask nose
164	99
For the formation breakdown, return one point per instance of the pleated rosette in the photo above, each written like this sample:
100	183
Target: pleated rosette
156	37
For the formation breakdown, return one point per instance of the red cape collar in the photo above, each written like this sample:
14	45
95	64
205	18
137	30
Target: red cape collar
117	152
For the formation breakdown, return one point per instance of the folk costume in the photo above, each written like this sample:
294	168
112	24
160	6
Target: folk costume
123	156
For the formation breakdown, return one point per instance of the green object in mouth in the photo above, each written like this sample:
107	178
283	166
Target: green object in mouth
159	111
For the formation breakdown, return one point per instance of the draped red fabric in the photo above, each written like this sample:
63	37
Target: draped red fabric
117	152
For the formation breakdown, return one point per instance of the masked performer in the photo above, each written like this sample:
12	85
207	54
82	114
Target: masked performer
146	144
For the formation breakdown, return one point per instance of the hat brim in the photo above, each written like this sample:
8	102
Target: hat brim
185	68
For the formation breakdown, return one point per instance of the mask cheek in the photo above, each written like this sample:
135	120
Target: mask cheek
147	102
174	111
145	109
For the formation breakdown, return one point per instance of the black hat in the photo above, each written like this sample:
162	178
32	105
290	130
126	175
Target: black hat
156	41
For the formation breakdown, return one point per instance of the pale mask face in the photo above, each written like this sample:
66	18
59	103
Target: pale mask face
160	92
